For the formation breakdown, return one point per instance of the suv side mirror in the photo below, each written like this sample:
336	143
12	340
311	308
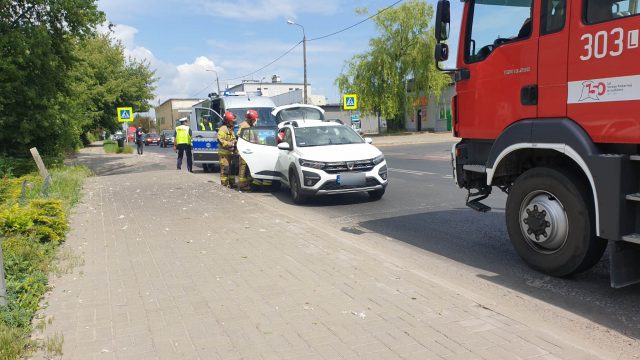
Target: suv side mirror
443	20
442	52
284	146
368	140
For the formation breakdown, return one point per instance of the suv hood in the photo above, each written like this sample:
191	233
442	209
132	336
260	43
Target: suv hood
334	153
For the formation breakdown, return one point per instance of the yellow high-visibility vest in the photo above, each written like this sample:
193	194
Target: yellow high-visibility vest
182	135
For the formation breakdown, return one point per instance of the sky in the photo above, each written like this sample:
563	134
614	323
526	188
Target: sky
188	41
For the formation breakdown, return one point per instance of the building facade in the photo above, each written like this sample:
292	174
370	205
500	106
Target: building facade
282	93
171	110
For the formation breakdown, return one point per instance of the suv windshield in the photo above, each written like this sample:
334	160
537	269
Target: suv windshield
326	135
264	115
299	113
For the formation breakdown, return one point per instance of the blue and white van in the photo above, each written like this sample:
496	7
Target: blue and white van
205	143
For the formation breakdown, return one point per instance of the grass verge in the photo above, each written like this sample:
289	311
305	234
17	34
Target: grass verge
111	147
32	227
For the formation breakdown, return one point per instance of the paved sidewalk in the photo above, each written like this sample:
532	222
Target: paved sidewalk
176	267
413	138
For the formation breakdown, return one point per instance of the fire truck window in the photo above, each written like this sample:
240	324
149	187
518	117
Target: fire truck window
553	16
605	10
494	23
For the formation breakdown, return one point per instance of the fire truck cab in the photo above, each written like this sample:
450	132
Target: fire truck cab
547	107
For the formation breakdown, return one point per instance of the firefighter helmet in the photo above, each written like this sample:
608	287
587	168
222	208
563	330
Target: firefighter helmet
251	115
229	116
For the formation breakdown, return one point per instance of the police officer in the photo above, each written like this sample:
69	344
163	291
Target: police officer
205	124
227	149
251	117
182	143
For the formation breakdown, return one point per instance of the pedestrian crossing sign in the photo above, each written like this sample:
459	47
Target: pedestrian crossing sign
125	114
350	101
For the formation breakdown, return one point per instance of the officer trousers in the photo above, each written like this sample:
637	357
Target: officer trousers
182	148
243	174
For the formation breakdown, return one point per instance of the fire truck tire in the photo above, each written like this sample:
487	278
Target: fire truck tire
551	222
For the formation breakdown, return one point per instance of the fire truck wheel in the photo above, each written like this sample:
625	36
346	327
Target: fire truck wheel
551	222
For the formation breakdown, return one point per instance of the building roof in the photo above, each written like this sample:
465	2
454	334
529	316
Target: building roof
178	99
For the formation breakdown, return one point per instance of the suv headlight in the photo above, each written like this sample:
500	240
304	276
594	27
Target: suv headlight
378	159
312	164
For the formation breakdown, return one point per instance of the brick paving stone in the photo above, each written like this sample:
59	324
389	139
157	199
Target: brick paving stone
158	282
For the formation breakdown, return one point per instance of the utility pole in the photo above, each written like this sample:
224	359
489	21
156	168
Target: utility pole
304	57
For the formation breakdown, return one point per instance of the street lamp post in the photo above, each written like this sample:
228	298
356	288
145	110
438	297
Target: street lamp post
217	79
264	77
304	56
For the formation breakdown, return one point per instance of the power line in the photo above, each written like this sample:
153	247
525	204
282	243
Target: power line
269	64
300	42
358	23
251	73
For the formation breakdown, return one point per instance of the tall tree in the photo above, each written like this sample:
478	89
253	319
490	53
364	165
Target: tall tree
399	59
36	54
104	80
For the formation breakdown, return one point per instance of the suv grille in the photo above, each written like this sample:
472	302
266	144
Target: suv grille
344	166
331	185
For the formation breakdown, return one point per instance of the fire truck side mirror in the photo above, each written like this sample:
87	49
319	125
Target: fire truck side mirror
443	20
442	52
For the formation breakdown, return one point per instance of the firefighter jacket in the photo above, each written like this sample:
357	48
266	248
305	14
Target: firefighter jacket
183	135
226	140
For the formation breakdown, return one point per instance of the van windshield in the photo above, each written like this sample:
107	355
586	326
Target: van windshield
264	115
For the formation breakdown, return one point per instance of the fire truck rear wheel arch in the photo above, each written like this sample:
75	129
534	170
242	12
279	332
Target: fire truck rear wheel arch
560	142
550	220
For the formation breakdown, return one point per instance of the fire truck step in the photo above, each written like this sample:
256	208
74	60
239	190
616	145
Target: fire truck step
634	238
478	206
475	168
633	197
635	157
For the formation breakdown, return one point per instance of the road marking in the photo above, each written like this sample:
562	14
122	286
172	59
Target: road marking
413	172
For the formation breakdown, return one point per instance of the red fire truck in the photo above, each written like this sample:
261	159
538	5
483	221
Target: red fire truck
547	107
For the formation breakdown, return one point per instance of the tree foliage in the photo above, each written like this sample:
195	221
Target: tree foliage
399	66
59	78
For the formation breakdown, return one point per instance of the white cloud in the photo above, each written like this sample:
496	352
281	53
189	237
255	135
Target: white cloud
174	81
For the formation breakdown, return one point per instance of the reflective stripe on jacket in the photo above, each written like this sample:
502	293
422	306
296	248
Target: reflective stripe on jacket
226	140
182	135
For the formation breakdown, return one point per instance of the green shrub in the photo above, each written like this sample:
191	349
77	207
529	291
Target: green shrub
126	150
31	234
109	142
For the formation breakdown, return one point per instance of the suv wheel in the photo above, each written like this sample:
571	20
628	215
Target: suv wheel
295	188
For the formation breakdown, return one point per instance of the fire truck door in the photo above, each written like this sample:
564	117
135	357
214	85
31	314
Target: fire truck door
552	59
501	53
604	71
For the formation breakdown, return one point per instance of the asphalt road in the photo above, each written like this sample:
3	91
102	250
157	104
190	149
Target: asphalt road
425	210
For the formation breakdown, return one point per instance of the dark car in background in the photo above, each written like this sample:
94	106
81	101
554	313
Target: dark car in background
152	139
166	138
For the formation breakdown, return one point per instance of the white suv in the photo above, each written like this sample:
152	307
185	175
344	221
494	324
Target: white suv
315	158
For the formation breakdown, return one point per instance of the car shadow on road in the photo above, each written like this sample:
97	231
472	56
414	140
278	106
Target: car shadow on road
284	196
482	241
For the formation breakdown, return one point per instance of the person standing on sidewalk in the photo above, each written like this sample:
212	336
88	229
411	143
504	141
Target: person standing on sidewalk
227	149
182	143
139	134
251	117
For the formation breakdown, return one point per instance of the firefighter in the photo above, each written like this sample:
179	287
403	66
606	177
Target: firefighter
227	149
251	117
182	143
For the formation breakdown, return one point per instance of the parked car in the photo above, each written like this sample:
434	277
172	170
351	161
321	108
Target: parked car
315	158
166	138
152	139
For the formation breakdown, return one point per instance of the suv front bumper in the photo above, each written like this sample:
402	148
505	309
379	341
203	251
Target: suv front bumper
325	183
